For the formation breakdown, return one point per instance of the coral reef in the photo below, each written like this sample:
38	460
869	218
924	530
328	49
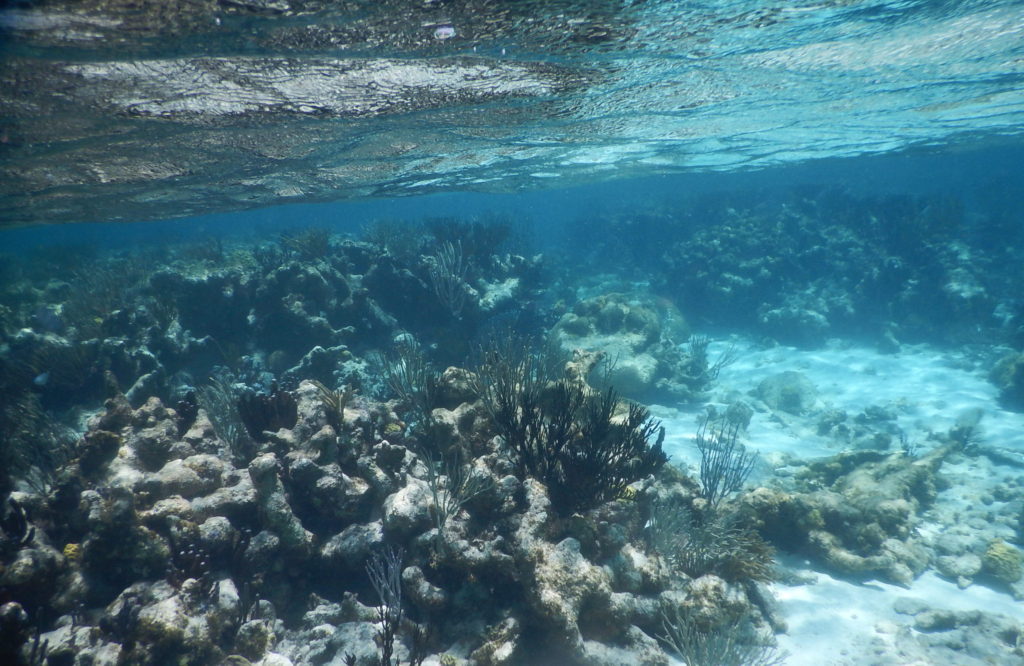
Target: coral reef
642	340
861	518
818	264
185	556
323	450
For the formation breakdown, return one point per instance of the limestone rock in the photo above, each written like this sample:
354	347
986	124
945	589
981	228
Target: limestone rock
1003	561
788	391
407	511
354	545
277	513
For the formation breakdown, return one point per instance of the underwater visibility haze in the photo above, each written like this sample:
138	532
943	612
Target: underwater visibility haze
497	333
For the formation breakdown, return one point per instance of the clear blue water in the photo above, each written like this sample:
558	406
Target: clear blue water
524	97
828	189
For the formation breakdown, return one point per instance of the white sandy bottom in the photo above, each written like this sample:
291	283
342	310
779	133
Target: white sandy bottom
835	622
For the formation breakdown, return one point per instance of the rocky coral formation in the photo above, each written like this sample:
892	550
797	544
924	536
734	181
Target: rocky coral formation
1008	377
861	520
165	546
962	637
307	307
263	422
831	265
642	339
789	392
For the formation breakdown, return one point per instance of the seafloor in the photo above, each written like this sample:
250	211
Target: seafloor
726	433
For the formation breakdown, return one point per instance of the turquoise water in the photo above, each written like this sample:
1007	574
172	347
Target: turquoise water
413	332
177	119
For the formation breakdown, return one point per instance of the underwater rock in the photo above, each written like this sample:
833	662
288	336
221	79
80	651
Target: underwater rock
636	648
567	592
194	476
340	496
253	639
874	428
423	594
898	561
490	559
263	552
298	306
1003	561
14	629
496	295
69	643
959	568
408	511
788	391
275	659
153	446
963	636
863	521
273	503
800	324
354	545
802	272
117	414
145	386
501	497
208	303
300	415
236	500
638	335
381	481
401	293
964	291
392	459
33	575
218	538
355	638
329	630
201	435
174	506
455	388
171	626
319	363
97	448
635	571
155	437
712	602
1008	377
563	580
117	548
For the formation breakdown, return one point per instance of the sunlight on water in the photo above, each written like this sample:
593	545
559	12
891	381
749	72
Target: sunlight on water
324	110
533	333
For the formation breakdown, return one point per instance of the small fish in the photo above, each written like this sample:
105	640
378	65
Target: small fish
48	319
444	31
41	379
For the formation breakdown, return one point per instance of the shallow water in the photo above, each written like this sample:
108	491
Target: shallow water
209	108
234	200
